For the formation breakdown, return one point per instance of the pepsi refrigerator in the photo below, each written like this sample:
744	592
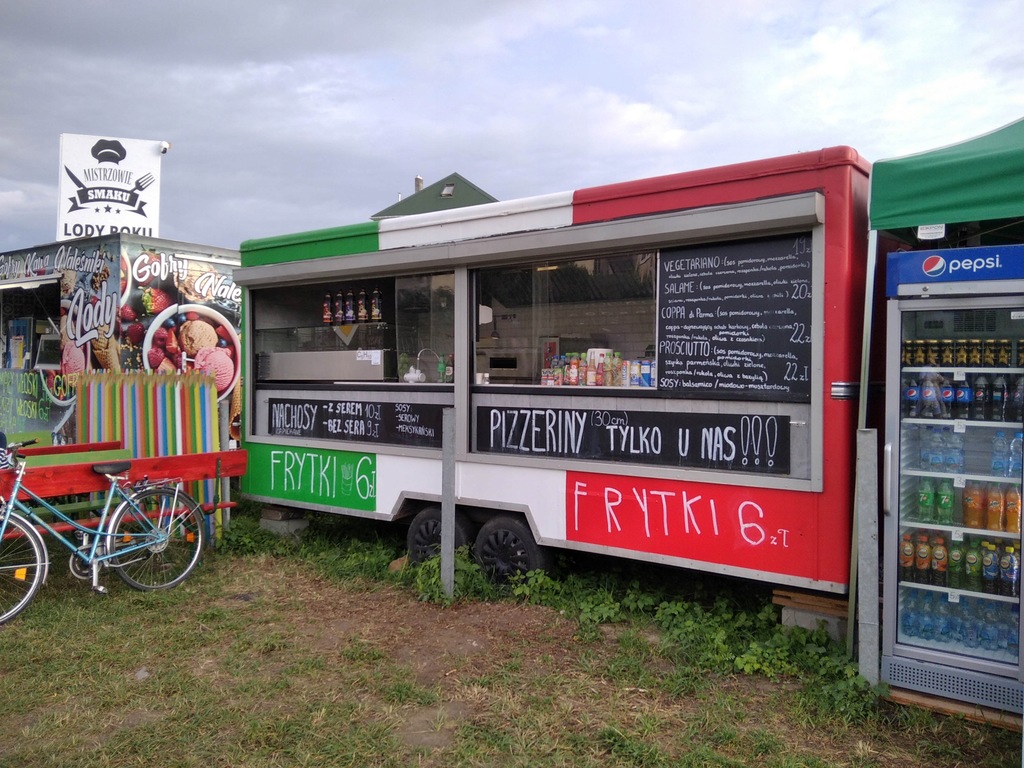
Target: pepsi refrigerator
952	474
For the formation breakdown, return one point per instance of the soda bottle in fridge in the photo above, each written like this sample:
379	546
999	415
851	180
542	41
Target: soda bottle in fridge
944	502
1012	509
998	399
972	566
1009	573
911	398
922	559
981	396
989	568
926	500
1017	400
955	570
995	507
907	558
974	504
963	397
939	563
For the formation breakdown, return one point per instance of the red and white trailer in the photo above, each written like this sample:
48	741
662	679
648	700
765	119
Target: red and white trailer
721	311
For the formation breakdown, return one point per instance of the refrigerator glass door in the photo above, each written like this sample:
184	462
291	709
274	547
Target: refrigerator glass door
961	404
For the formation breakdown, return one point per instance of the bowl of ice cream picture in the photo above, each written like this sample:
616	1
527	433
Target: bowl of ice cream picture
194	337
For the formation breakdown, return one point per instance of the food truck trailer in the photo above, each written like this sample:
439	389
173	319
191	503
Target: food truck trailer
664	369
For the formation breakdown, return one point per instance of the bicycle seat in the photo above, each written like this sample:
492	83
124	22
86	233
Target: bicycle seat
111	467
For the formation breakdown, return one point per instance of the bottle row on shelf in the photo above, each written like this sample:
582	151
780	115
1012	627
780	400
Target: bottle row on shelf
962	353
348	306
985	565
993	506
944	450
971	623
975	397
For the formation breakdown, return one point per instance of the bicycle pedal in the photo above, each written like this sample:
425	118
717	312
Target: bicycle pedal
100	589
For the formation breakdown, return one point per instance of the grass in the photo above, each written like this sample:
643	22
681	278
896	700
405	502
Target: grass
278	654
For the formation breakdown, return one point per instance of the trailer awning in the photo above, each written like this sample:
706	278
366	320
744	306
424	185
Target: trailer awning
981	179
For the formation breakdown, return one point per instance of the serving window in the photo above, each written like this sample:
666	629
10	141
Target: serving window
537	321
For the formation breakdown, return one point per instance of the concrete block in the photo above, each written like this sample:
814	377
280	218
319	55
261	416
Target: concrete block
796	617
293	527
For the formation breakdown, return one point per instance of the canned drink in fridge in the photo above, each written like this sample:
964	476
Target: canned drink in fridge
920	353
1004	353
988	353
931	354
974	353
907	353
946	352
961	353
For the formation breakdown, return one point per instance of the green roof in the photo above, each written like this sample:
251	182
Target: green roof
453	191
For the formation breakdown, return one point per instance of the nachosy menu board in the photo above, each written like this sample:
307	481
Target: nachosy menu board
735	442
734	320
415	424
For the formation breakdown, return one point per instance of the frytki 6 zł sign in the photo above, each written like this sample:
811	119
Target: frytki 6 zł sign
733	442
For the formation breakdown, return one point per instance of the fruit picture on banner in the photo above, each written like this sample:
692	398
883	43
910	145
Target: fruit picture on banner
136	308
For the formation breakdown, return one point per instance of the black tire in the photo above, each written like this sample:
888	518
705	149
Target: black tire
505	546
23	561
424	538
174	523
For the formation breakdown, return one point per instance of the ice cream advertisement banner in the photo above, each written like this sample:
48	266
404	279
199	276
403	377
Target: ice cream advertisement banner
108	186
125	305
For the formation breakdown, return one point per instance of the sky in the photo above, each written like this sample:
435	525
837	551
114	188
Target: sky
293	115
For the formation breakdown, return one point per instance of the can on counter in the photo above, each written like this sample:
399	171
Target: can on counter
645	373
624	377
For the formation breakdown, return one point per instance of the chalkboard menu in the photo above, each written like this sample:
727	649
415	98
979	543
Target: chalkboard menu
413	424
734	442
734	320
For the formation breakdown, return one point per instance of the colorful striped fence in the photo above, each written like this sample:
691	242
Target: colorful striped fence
153	415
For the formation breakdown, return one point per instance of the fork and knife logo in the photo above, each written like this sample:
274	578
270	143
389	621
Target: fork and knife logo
108	197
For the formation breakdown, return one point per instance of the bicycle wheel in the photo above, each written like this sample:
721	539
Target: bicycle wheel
168	518
22	566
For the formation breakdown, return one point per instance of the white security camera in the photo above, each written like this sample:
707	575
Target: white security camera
164	146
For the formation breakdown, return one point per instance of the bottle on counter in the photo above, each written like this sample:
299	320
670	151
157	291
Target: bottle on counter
362	315
350	307
573	370
449	369
328	314
591	377
375	306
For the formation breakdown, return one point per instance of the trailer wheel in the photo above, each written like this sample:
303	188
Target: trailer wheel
505	545
424	538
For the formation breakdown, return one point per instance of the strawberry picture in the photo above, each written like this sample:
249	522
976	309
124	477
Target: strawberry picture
155	301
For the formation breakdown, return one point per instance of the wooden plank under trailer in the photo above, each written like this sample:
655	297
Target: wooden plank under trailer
78	478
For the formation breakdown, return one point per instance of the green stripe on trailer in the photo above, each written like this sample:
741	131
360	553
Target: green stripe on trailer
304	246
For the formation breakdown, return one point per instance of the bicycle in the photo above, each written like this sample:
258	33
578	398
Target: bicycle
151	534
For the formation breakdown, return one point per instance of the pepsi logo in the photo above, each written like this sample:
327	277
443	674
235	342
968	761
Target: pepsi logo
934	266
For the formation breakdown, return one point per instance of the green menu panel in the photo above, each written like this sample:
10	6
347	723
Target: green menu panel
337	478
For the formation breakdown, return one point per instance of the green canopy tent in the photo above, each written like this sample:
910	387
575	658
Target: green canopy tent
975	188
